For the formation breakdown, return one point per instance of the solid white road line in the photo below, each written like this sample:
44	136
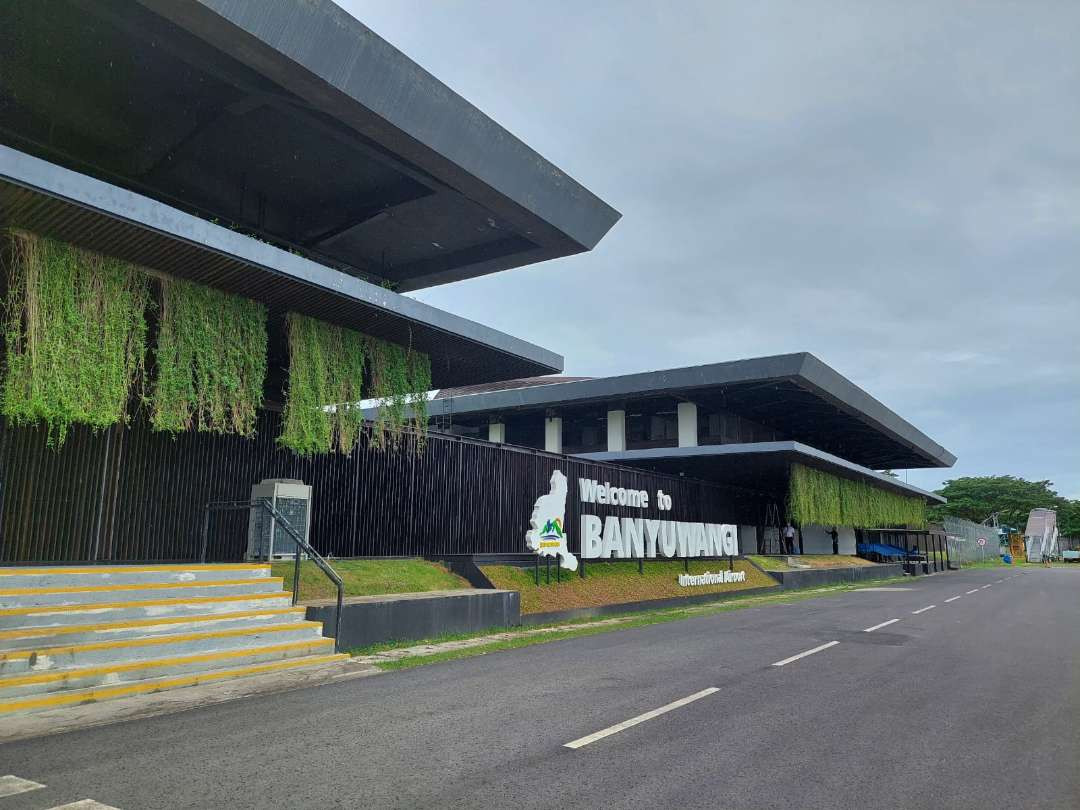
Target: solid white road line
879	626
973	590
13	786
953	598
923	610
804	654
85	804
641	718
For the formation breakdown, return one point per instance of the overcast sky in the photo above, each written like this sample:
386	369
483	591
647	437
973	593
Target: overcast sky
894	187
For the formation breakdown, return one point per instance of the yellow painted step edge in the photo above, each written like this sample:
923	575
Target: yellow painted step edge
67	629
141	586
150	641
98	693
43	570
94	606
153	663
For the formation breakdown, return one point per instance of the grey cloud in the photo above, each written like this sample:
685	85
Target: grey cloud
893	186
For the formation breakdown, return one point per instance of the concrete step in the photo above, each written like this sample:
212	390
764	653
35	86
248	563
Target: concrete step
13	687
24	638
63	576
90	594
154	608
93	694
76	656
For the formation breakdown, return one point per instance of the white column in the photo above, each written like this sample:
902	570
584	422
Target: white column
616	431
553	434
687	424
497	432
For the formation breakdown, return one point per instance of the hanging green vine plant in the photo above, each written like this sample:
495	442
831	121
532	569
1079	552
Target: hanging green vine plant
419	376
389	364
74	325
326	372
211	360
824	499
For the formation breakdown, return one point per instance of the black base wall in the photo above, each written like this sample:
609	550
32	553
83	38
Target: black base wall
829	576
369	620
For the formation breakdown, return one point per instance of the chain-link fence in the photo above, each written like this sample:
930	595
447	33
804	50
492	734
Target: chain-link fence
971	542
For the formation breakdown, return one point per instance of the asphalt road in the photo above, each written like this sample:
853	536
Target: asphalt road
974	703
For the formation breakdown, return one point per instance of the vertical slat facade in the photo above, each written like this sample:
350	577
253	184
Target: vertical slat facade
130	494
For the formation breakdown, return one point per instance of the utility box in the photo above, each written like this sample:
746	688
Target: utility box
267	540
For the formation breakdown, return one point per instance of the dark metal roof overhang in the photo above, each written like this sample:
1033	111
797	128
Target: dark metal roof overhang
758	465
796	394
292	121
48	199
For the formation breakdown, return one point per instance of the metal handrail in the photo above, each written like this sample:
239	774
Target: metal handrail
301	543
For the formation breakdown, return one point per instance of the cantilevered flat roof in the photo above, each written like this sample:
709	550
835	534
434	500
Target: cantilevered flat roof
48	199
292	121
797	394
753	465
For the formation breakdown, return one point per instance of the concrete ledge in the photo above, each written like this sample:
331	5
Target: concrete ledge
630	607
413	616
810	577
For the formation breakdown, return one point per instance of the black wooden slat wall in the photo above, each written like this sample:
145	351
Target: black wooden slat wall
129	494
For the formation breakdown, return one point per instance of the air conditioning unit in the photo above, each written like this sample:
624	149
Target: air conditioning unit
267	540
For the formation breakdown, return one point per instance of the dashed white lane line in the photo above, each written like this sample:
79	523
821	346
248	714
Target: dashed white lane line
641	718
987	585
973	590
804	654
85	804
953	598
923	610
879	626
13	786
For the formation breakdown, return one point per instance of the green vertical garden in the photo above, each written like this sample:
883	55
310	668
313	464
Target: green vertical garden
824	499
75	352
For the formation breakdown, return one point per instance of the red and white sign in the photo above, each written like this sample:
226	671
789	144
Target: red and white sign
982	541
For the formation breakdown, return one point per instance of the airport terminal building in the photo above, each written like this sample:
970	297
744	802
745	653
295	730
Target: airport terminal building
274	176
767	434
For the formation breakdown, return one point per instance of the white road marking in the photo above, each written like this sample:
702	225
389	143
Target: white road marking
953	598
987	585
879	626
641	718
85	804
923	610
973	590
999	580
804	654
13	786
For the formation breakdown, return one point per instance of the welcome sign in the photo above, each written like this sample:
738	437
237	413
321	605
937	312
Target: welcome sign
615	537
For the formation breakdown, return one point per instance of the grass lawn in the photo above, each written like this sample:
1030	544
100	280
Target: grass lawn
812	560
615	583
370	577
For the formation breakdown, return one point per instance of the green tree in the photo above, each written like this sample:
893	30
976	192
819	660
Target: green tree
976	498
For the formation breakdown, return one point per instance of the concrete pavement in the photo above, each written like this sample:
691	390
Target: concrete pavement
970	703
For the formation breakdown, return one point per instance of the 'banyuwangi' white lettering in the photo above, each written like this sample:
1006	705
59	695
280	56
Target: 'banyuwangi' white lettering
631	538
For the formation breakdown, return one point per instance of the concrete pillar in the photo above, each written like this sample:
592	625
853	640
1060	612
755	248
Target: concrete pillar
616	431
553	434
687	424
497	432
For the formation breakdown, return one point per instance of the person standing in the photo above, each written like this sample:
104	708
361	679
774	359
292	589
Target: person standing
789	538
835	535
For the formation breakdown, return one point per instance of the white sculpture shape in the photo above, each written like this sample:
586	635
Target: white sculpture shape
547	536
